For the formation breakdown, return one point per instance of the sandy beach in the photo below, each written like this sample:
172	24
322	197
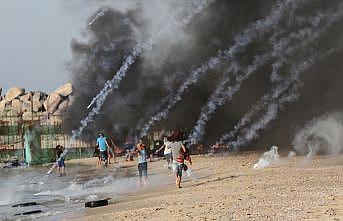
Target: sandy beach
225	187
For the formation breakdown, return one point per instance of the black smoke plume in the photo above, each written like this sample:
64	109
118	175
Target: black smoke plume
158	73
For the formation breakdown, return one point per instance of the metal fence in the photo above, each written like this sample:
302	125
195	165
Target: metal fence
12	130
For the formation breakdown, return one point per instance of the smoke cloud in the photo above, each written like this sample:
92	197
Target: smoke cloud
268	158
198	56
323	135
281	50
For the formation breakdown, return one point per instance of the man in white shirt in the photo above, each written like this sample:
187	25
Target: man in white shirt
167	151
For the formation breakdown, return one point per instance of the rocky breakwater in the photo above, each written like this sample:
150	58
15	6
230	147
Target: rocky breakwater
17	100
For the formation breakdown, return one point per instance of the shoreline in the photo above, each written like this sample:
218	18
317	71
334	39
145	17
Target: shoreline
227	188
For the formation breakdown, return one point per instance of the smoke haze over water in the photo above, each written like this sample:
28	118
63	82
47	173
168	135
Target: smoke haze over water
159	72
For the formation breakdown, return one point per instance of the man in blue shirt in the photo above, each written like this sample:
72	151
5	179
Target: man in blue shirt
103	146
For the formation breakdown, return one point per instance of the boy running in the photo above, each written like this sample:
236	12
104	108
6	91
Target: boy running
167	151
103	146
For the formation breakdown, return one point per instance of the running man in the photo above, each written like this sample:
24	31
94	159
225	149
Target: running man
111	152
103	146
142	162
179	155
167	151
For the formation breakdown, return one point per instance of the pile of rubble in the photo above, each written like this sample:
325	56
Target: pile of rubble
19	101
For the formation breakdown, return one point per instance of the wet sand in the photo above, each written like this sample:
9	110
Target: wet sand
227	188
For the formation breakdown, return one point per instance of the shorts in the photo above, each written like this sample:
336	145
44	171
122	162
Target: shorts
178	168
60	163
168	157
111	152
103	155
143	169
96	154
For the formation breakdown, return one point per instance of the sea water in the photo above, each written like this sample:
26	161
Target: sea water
59	197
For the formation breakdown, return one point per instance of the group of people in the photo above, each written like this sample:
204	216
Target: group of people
175	153
104	151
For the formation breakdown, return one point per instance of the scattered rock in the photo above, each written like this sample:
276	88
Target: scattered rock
52	102
14	92
65	90
330	212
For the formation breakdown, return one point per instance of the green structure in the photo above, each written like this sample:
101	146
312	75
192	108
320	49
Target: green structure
33	139
32	146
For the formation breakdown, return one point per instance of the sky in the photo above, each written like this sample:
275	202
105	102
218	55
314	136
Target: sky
35	41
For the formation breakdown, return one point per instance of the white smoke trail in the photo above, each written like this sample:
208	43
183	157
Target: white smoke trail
100	98
283	84
293	79
291	95
146	46
280	49
242	40
97	16
270	114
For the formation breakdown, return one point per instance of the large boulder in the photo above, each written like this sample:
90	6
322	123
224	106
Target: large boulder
38	95
62	108
65	90
14	92
16	105
38	100
37	106
2	105
52	102
26	97
26	106
71	100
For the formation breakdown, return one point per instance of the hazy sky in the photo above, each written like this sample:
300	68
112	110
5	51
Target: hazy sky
35	40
